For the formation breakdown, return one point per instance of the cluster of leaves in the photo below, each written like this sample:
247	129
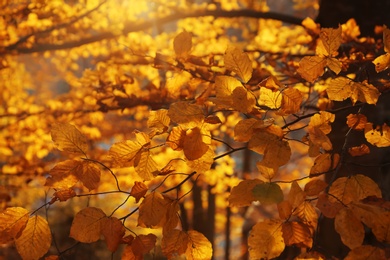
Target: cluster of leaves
186	130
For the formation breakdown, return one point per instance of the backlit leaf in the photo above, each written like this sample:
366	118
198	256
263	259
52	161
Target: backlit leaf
125	152
171	219
194	145
334	65
238	62
138	191
324	163
268	193
382	62
322	121
291	100
89	175
243	100
357	121
35	239
296	196
152	210
113	231
142	244
64	175
244	129
307	214
366	252
380	136
311	67
199	247
353	189
241	195
319	138
67	138
159	120
359	150
182	44
87	225
266	240
186	114
174	243
271	99
176	138
146	166
314	187
64	195
224	87
175	83
204	163
12	222
285	209
330	41
351	230
296	233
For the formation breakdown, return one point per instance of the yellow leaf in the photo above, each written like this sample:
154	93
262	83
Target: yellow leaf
67	138
334	65
64	174
238	62
198	247
366	252
243	100
138	191
204	163
182	44
356	121
296	233
365	93
296	196
268	193
314	187
382	62
381	227
124	153
351	230
152	210
113	231
380	137
312	67
186	114
322	121
324	163
224	87
12	222
330	40
386	38
142	244
319	138
174	243
291	100
359	150
270	99
244	129
350	29
145	166
266	240
176	83
241	195
64	195
307	214
353	189
176	138
194	145
89	175
35	240
265	171
159	120
87	225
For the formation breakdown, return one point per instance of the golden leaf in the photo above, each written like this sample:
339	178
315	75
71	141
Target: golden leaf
204	163
296	233
35	240
176	83
330	40
380	137
86	226
296	196
13	221
314	187
142	244
334	65
89	175
199	247
238	62
270	99
113	231
186	114
241	195
366	252
359	150
64	195
266	239
145	166
174	243
308	215
224	87
243	100
64	174
159	120
319	138
176	138
328	208
356	121
67	138
152	210
284	209
244	129
194	145
382	62
124	153
350	29
353	189
138	191
182	44
322	121
312	67
171	219
351	230
291	100
265	171
268	193
324	163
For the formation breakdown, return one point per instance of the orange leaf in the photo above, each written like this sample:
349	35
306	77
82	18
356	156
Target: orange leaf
128	254
198	247
296	196
224	87
64	174
357	121
138	191
330	40
204	163
351	230
176	138
64	195
86	226
296	233
12	222
312	67
328	208
284	209
186	114
113	231
89	175
353	189
159	120
142	244
182	44
238	62
308	215
380	137
381	227
146	166
291	100
174	243
171	219
243	100
366	252
270	98
314	187
35	240
194	145
124	153
322	121
67	138
324	163
382	62
152	210
241	195
266	239
245	128
359	150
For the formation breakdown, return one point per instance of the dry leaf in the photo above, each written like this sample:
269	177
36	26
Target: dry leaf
241	195
186	114
67	138
238	62
13	221
174	243
359	150
366	252
380	137
296	233
87	225
356	121
182	44
113	231
152	210
138	191
314	187
268	193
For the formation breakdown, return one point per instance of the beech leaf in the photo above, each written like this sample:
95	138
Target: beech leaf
351	230
174	243
182	44
67	138
268	193
380	136
113	231
241	195
366	252
186	114
146	166
87	225
13	221
297	233
238	62
159	120
152	210
199	247
138	191
142	244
